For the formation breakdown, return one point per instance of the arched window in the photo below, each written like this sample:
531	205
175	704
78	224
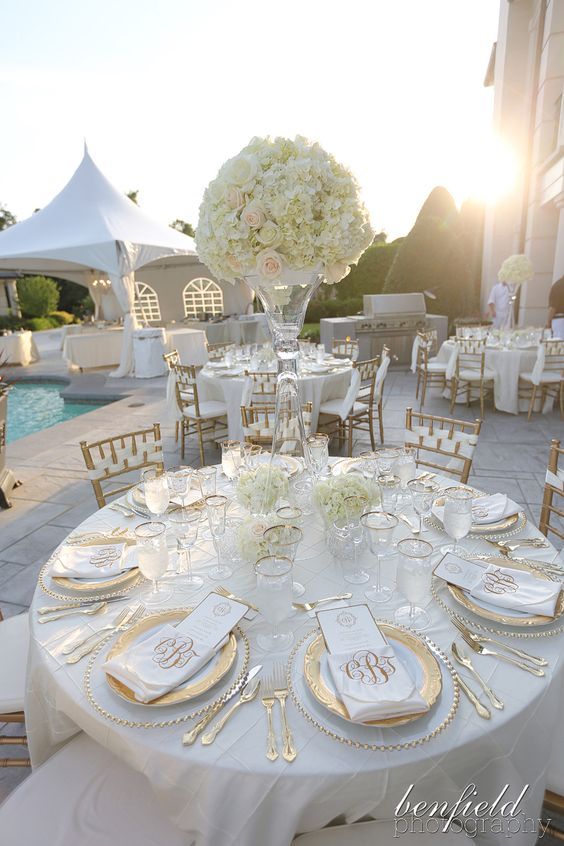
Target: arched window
146	306
202	296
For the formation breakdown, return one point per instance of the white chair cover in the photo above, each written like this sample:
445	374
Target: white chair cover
414	353
556	479
536	375
380	376
451	366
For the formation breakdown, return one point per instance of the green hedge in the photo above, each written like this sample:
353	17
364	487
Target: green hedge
63	318
36	324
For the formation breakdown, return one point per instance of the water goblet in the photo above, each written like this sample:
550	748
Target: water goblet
231	458
274	597
250	456
155	488
406	466
413	581
185	523
153	560
368	464
355	506
379	528
290	515
207	479
423	495
179	481
318	445
216	508
386	459
320	353
344	542
301	492
390	490
457	517
283	541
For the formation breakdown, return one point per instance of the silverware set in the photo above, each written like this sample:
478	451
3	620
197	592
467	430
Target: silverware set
124	620
276	690
58	612
311	606
246	690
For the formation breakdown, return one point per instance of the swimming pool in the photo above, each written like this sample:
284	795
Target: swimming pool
33	406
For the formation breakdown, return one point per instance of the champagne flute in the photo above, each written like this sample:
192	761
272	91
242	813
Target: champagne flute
207	480
379	527
390	489
343	538
179	481
318	446
457	517
413	581
406	465
301	493
153	560
274	597
231	458
216	507
423	495
185	523
283	541
155	487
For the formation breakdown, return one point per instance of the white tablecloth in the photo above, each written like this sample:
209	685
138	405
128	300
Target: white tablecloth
149	346
228	794
18	348
100	348
190	343
507	364
245	329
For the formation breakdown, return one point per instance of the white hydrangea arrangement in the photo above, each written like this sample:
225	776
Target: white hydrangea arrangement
516	270
330	494
259	490
252	545
282	204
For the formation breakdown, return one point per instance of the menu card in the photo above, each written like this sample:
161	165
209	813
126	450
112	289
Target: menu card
212	620
350	628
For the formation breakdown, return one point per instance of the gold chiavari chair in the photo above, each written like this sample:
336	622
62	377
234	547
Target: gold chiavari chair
217	351
263	386
553	487
471	373
345	348
119	455
551	380
451	439
469	332
208	417
430	372
14	642
169	359
258	427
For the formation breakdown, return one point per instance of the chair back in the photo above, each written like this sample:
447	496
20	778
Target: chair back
478	332
119	455
347	348
263	386
554	355
171	358
443	443
553	487
367	371
471	355
217	351
258	427
186	387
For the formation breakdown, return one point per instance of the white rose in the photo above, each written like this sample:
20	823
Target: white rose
269	264
269	234
241	169
234	264
335	272
217	190
254	214
235	197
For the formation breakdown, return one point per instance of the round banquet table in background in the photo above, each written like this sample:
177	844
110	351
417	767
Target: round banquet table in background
18	348
507	365
229	794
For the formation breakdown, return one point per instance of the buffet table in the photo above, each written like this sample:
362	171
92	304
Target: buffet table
99	348
228	793
18	348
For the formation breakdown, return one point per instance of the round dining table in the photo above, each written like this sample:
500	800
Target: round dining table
228	793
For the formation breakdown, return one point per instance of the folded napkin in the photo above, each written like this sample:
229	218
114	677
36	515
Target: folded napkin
374	684
159	663
485	509
97	561
517	590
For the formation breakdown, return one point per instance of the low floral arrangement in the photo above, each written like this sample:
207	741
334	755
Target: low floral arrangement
252	545
259	490
516	269
282	204
329	494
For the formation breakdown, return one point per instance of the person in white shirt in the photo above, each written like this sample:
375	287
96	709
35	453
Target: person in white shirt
499	305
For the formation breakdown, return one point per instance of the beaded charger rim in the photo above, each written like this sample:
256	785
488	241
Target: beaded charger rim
173	721
95	595
499	534
376	747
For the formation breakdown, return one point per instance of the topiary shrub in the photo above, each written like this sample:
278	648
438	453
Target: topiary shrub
39	324
38	296
63	318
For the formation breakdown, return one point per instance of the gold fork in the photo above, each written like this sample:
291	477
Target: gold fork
268	701
310	606
479	638
93	641
483	650
281	692
224	592
117	621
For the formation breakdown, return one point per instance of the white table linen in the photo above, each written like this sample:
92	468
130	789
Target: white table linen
18	348
99	348
149	346
190	344
228	794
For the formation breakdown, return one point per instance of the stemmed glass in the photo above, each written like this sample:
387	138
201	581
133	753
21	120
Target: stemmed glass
274	597
185	523
207	479
423	495
179	480
290	515
406	466
379	528
153	560
155	487
390	489
318	445
283	542
368	464
302	494
457	516
231	458
355	507
413	580
386	459
216	507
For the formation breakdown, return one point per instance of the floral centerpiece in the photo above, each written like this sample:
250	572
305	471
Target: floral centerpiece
252	544
516	270
329	494
259	490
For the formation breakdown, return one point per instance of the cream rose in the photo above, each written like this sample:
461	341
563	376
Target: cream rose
217	190
235	198
234	264
254	214
269	264
335	272
241	169
269	234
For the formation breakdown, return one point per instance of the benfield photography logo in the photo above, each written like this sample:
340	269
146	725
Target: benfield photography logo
502	816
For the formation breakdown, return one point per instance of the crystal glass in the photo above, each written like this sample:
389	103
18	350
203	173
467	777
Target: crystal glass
179	481
414	581
405	466
390	490
423	495
231	458
290	515
155	488
229	541
320	353
152	556
457	517
283	540
274	597
318	445
301	492
251	456
368	464
185	523
216	508
386	459
379	530
345	542
207	479
355	507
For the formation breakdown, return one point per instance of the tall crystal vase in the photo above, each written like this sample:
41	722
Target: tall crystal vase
285	301
509	320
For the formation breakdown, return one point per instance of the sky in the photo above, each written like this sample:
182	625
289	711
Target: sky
164	92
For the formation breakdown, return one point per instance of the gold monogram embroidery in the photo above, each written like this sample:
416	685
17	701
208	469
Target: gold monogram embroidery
174	652
369	668
498	582
105	556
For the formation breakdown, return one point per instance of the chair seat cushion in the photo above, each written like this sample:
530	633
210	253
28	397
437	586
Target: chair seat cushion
333	407
85	796
546	377
434	366
209	408
474	375
14	643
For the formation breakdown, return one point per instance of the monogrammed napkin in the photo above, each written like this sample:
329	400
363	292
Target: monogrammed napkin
485	509
92	562
517	590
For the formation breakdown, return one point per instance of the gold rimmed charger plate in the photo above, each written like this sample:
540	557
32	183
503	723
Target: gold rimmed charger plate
503	525
429	690
136	498
216	669
122	580
498	616
344	466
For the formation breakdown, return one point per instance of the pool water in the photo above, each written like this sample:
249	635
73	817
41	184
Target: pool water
33	406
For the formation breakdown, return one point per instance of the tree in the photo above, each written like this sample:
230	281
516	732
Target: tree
369	275
182	226
38	295
6	218
432	258
472	216
133	196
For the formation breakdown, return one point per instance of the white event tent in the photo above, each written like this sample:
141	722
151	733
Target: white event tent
90	224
